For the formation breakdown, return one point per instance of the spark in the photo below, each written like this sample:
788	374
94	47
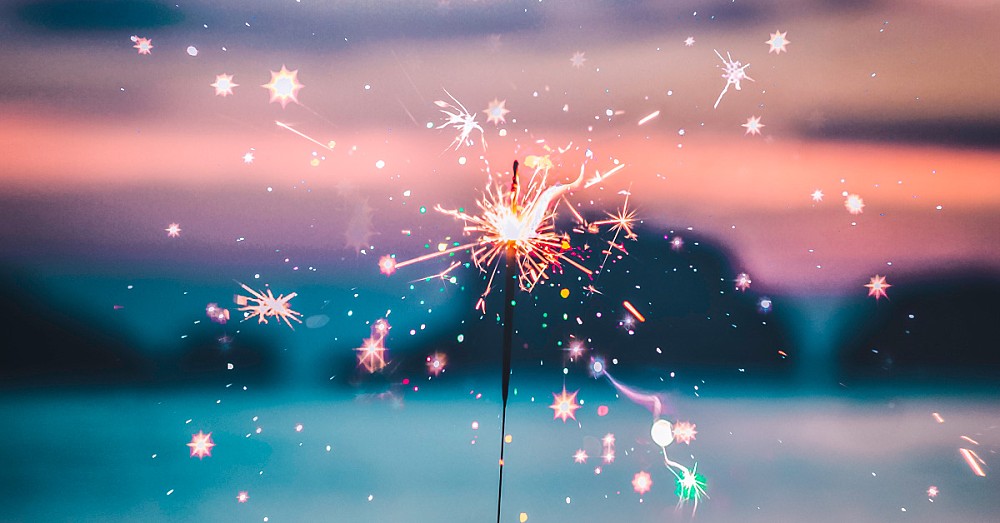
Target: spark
742	282
577	59
266	305
598	177
387	265
877	287
216	313
689	41
284	86
735	72
638	315
436	363
753	125
677	243
970	440
684	432
248	157
224	85
371	353
690	486
973	460
620	222
564	405
580	456
461	119
777	42
144	45
642	482
937	417
201	445
243	496
854	204
649	117
304	135
496	111
932	491
173	230
608	442
817	195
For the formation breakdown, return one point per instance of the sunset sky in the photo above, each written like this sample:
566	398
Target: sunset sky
895	102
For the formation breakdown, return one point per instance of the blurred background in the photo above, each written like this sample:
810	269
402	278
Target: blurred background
149	171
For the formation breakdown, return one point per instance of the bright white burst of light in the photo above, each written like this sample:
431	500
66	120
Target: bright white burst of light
461	119
266	305
284	86
854	204
577	59
817	195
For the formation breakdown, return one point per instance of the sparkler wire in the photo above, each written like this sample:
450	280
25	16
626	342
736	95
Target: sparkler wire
510	287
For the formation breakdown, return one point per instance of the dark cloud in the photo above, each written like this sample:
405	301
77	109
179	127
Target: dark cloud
99	15
956	132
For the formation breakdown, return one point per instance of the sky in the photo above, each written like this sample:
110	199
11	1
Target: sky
892	104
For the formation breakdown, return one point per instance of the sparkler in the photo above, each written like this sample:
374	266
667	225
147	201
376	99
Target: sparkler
517	226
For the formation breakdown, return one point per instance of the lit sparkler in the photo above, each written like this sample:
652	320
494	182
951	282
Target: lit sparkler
522	220
516	226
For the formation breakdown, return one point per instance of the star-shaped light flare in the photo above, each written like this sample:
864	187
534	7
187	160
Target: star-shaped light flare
371	353
564	405
753	125
201	445
777	42
284	86
877	287
144	45
496	112
224	85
